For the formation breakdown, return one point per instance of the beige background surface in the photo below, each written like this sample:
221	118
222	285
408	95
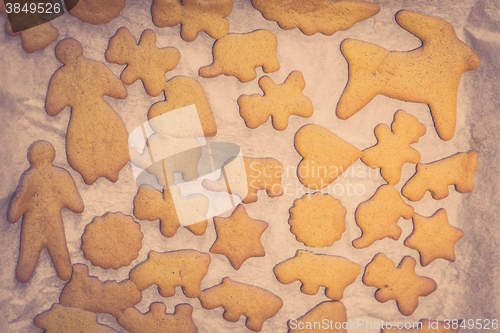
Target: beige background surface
467	289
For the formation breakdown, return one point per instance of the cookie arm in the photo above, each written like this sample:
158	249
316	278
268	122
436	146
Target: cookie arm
70	197
56	99
20	202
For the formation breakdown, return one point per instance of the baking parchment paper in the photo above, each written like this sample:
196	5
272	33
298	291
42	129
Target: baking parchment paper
467	288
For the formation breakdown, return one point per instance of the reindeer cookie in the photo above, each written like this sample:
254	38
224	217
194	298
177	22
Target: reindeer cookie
429	74
44	190
236	298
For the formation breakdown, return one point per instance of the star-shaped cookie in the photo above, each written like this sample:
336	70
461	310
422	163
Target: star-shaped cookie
429	74
433	237
238	237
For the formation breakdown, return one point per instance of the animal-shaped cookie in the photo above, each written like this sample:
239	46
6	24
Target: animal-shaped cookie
435	177
145	61
97	139
378	217
240	54
43	191
172	209
260	174
158	321
330	314
112	241
65	319
238	299
280	101
429	74
317	220
428	326
185	268
433	237
238	237
194	16
315	270
97	11
393	147
401	284
90	294
324	16
325	156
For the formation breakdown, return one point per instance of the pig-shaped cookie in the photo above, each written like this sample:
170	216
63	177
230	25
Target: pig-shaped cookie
185	268
315	270
237	298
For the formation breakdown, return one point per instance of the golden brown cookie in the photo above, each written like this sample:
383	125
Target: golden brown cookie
328	316
97	139
194	16
238	237
238	299
400	284
90	294
240	54
185	268
428	326
317	220
36	38
435	177
433	237
181	91
145	61
97	11
279	102
315	270
112	241
393	147
158	321
378	217
314	16
429	74
43	191
325	156
170	208
65	319
260	174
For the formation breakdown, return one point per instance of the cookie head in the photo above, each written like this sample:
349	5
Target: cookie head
68	50
41	153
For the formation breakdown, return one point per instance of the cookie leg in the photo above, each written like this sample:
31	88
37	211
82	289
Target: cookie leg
58	250
28	257
192	290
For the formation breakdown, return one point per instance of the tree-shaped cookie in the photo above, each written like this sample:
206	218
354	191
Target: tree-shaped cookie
194	16
97	139
90	294
377	217
145	61
238	299
393	147
43	191
324	16
433	237
158	321
172	209
112	241
429	74
238	237
260	174
317	220
185	268
97	11
332	311
315	270
435	177
240	54
325	156
65	319
401	284
280	101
